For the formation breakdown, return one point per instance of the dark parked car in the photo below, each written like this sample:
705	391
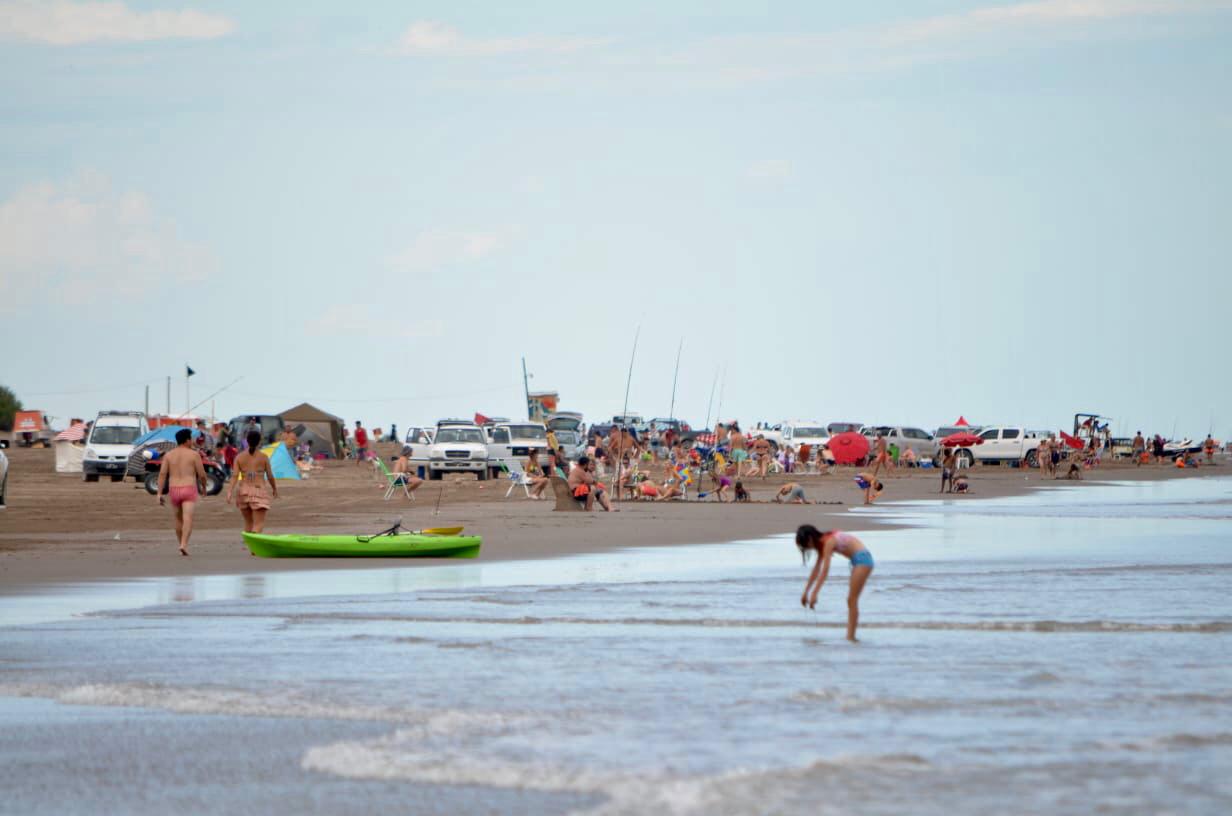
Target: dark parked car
270	426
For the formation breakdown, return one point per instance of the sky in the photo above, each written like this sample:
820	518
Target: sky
881	212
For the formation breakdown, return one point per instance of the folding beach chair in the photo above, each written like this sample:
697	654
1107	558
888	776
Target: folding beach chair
516	477
394	480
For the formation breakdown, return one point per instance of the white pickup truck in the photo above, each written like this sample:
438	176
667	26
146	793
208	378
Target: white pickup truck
1003	443
796	433
458	445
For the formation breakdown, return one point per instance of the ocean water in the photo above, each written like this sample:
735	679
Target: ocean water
1065	652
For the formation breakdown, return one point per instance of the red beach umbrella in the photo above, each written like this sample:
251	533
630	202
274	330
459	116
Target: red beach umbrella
848	448
962	439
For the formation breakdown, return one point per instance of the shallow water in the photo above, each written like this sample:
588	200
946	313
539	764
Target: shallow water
1065	652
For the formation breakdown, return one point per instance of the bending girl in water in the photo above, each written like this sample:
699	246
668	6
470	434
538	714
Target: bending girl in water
826	544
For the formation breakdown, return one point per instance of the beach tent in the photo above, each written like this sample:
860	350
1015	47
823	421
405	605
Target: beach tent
69	456
962	422
321	446
325	428
281	462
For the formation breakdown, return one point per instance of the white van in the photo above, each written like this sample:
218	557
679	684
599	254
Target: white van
111	443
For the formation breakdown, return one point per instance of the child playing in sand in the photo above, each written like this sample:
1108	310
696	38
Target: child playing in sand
871	487
961	486
742	495
826	545
790	493
721	484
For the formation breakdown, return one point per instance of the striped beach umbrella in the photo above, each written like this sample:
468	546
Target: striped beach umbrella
75	433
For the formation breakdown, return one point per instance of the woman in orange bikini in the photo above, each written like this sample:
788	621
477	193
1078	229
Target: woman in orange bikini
826	545
252	471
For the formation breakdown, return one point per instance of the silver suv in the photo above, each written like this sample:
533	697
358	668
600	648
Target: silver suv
905	438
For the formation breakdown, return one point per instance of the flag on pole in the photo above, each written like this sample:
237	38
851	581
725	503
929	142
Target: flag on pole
188	370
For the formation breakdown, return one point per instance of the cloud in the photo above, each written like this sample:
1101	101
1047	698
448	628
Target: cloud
769	170
60	22
983	31
77	241
435	248
736	60
427	38
362	321
990	20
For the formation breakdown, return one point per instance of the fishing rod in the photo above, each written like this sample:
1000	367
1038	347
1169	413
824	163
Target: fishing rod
625	412
671	412
710	404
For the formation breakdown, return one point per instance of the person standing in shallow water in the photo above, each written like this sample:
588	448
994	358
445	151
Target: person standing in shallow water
825	545
252	472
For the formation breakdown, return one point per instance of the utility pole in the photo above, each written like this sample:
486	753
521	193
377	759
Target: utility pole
168	396
147	400
526	388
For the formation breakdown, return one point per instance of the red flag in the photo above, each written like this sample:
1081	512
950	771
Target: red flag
480	419
1071	441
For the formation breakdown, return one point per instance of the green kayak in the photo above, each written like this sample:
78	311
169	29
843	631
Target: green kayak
398	545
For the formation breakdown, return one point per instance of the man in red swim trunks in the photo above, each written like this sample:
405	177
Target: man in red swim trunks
182	476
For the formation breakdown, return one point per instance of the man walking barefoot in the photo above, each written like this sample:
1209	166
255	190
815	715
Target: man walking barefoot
182	475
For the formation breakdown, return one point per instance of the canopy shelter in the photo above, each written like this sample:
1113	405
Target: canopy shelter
323	428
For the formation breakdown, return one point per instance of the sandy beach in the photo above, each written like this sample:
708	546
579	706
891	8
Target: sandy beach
60	529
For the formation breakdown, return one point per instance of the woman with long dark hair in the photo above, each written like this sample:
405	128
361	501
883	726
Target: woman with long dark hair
825	545
252	472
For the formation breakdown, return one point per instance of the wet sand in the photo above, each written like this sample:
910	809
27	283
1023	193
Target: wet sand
59	529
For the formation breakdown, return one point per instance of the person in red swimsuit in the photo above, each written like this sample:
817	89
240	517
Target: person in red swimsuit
182	476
